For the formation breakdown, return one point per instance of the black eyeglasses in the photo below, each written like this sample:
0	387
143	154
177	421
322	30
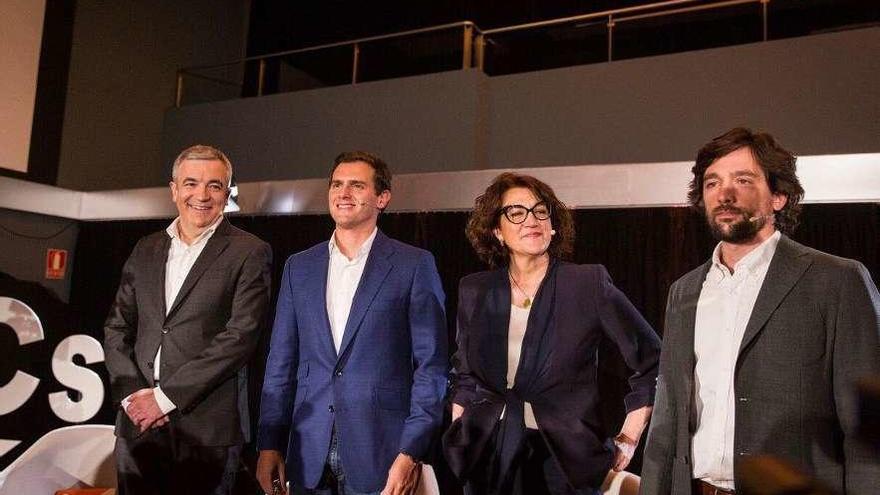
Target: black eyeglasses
519	213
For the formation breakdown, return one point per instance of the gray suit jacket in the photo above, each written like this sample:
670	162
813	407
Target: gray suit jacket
813	332
207	337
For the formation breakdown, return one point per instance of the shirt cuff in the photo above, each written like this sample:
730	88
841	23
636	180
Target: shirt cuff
126	402
417	461
164	402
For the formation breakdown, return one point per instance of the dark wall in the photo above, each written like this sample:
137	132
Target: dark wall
123	65
644	249
279	26
418	124
25	239
817	94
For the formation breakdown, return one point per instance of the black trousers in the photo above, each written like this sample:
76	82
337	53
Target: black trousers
534	472
159	462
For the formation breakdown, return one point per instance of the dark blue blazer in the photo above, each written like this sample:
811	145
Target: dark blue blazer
575	308
384	390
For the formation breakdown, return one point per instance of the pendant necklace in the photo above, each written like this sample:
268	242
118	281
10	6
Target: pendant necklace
527	302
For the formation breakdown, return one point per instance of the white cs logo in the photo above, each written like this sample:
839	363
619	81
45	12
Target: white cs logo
28	329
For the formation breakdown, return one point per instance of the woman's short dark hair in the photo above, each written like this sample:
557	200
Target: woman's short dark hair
381	173
778	164
486	215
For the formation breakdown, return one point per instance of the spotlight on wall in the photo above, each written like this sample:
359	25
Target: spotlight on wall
232	202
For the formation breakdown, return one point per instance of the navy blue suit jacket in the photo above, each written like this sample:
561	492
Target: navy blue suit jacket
558	369
384	390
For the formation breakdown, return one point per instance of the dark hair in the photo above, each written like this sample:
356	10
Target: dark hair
778	164
381	173
487	213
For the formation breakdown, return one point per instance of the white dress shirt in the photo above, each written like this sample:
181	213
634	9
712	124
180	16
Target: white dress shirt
181	258
343	277
723	311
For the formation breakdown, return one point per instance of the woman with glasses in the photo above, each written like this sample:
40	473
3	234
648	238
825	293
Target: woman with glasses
526	416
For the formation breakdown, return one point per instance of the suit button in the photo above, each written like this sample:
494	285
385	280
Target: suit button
150	364
339	373
166	330
330	408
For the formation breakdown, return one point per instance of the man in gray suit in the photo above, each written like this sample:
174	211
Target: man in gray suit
763	343
184	323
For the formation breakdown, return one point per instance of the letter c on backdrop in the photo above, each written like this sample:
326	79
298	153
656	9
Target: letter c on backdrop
28	328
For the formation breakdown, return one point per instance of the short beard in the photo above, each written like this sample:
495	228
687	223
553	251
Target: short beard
738	232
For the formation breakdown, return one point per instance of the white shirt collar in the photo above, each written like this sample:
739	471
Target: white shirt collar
756	261
363	251
172	230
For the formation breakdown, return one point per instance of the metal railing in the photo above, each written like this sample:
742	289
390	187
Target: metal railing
473	42
615	17
468	28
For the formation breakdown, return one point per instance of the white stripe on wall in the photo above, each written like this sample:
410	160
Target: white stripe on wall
826	179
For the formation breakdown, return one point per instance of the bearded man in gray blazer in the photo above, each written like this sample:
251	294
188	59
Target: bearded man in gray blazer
185	321
764	343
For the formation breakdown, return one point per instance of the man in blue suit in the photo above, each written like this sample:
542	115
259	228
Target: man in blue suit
357	368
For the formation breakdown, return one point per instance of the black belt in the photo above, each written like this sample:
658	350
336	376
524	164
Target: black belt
700	487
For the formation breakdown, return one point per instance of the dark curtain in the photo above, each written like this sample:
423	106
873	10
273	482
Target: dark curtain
644	249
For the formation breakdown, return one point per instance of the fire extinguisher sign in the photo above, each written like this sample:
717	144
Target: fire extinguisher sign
56	263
